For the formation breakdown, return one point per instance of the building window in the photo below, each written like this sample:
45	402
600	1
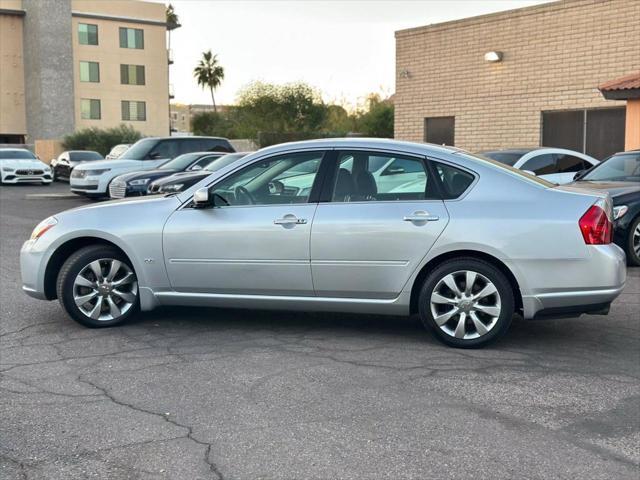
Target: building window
439	130
87	34
89	109
132	74
131	38
598	132
134	111
89	72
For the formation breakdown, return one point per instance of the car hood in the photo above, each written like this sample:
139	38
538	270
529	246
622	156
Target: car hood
112	164
23	163
615	189
152	174
75	163
184	177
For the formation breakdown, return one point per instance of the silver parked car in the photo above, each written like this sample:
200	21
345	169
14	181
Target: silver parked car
464	242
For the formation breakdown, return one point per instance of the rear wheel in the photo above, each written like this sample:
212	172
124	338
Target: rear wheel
633	243
466	303
98	287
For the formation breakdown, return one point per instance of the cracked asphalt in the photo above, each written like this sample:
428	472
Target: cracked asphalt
238	394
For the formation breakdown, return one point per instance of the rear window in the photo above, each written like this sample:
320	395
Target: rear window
506	168
16	155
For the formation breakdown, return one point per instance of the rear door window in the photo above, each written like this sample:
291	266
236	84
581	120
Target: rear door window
570	163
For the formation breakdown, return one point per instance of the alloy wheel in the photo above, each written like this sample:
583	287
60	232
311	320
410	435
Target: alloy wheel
105	289
465	304
636	240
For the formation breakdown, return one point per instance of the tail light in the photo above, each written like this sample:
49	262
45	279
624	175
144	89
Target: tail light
595	224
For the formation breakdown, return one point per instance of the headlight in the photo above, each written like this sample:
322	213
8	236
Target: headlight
91	173
175	187
47	169
619	211
7	169
140	181
42	227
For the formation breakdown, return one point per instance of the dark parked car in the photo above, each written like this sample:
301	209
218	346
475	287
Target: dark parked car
66	161
136	183
181	181
620	176
146	154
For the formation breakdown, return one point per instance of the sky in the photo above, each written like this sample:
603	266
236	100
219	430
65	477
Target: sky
346	49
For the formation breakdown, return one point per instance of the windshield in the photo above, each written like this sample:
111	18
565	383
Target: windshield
16	155
622	168
181	162
223	161
508	168
139	150
84	156
507	158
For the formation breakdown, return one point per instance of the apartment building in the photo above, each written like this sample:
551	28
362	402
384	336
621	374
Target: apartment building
71	64
520	78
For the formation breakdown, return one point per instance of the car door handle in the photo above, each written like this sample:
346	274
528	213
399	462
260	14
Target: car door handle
420	217
290	220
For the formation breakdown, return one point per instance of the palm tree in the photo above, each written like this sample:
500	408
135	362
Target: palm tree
209	74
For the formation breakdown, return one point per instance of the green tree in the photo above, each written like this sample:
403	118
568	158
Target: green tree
100	140
377	120
209	74
173	21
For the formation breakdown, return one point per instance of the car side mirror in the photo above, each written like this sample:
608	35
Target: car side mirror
530	172
395	170
579	174
201	198
196	167
154	156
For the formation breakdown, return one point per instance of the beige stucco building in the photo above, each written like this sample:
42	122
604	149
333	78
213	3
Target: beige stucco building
538	84
71	64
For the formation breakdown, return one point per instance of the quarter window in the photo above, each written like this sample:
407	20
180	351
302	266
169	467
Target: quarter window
453	180
89	109
287	179
131	38
370	177
132	75
87	34
134	111
89	72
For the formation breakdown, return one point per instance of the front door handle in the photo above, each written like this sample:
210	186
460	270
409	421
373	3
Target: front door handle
290	220
420	216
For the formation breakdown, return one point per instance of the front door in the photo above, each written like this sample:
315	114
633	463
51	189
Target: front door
373	233
255	240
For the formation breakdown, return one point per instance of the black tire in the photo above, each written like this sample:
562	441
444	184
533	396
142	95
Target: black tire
494	275
632	258
68	273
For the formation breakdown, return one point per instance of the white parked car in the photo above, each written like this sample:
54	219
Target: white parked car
556	165
92	179
19	165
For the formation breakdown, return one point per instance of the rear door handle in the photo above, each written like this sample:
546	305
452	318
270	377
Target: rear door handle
420	216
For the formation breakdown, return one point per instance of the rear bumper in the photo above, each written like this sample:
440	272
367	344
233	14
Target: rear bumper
602	275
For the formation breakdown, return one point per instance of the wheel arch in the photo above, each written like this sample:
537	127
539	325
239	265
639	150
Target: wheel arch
434	262
64	251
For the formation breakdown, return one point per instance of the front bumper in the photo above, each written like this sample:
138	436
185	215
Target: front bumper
15	178
32	270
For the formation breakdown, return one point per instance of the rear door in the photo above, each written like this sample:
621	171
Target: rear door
370	233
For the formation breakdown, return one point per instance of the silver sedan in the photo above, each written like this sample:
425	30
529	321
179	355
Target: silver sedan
358	225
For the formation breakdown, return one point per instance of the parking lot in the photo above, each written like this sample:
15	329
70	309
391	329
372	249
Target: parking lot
236	394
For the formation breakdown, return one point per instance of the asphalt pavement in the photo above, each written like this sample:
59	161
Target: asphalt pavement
237	394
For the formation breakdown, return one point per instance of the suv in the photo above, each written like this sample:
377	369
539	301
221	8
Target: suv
93	179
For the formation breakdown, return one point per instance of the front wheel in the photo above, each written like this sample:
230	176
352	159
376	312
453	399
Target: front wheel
633	243
98	287
466	303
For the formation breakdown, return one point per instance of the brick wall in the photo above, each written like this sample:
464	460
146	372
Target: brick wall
555	55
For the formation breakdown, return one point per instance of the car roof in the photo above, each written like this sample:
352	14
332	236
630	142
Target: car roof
13	149
186	137
520	150
360	142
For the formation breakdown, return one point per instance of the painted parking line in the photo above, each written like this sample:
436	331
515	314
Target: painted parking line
34	196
